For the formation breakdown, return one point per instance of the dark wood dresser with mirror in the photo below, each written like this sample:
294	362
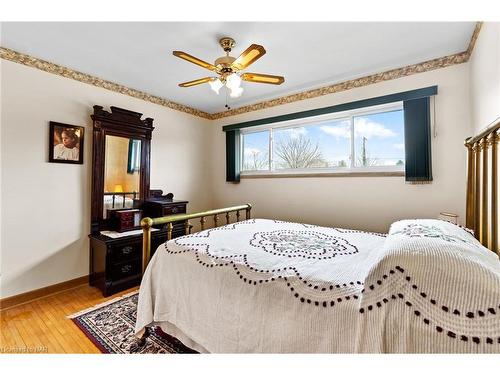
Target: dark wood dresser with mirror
121	195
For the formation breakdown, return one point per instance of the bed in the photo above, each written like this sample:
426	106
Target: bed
117	201
270	286
427	286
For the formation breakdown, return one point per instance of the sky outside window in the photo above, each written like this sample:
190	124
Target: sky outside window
256	151
381	136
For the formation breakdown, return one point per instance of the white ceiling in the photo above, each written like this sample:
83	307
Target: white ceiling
308	54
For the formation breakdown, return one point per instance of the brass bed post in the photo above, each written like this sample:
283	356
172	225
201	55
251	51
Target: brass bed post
146	225
484	194
493	141
170	228
187	227
248	209
471	177
477	189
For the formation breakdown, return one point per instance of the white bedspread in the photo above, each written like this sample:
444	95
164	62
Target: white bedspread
269	286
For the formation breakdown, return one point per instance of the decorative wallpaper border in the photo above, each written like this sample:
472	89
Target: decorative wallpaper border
49	67
474	37
441	62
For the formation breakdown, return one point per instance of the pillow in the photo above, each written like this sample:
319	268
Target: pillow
438	239
436	229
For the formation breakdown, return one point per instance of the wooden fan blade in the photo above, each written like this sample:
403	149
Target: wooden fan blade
263	78
249	56
194	60
196	82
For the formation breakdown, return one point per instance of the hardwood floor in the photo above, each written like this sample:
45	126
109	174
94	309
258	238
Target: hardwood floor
41	326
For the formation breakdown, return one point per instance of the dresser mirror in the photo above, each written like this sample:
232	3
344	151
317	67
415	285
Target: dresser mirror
122	170
120	164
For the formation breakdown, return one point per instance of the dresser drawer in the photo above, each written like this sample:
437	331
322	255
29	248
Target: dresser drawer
125	252
125	269
174	209
116	263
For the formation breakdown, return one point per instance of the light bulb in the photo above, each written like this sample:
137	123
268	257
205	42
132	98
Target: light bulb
216	85
236	92
233	81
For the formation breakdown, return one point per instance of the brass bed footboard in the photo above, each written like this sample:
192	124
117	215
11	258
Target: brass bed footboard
148	222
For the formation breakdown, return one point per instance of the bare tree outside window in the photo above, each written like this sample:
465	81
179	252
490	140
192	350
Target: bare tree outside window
298	152
255	151
256	161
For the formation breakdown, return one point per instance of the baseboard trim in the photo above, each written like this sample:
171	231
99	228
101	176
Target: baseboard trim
19	299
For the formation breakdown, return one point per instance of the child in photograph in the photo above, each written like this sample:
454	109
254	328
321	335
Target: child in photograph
67	150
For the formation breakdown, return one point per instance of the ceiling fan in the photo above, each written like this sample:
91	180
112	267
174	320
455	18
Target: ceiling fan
228	69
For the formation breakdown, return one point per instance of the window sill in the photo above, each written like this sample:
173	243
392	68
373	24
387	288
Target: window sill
325	174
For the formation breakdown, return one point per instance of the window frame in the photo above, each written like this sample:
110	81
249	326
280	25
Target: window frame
310	121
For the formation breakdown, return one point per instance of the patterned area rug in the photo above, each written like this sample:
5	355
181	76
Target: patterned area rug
110	326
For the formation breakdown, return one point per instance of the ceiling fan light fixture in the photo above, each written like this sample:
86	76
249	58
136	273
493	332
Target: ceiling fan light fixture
216	85
233	81
229	69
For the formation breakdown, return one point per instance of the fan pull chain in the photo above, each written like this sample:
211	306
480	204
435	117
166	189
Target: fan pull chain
227	107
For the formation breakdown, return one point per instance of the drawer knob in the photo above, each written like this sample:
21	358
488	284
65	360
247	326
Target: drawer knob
174	210
126	268
127	250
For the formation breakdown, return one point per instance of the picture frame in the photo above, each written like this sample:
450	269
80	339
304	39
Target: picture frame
66	143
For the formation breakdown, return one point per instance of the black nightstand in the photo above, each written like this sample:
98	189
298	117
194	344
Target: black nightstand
161	207
116	263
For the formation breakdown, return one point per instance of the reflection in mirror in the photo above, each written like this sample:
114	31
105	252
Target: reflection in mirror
121	172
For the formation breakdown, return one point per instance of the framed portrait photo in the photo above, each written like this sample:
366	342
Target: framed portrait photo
65	143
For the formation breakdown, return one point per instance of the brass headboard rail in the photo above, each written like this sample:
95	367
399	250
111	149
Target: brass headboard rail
482	186
483	134
147	223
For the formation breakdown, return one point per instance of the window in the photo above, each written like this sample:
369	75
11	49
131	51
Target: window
367	140
256	151
361	136
134	156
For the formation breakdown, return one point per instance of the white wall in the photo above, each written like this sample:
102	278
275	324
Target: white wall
485	77
361	202
46	206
